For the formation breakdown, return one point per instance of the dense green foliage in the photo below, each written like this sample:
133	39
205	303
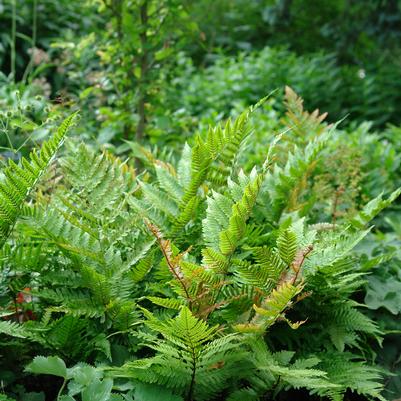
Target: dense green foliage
228	266
191	242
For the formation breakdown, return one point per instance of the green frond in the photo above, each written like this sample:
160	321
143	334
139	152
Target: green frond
100	190
255	276
169	183
215	260
344	322
269	262
373	208
212	159
241	210
218	213
284	182
190	359
123	314
140	269
19	180
12	329
365	380
276	369
287	245
200	163
199	273
186	214
271	308
97	283
144	209
277	302
185	330
62	232
225	223
160	200
66	334
184	167
168	303
331	251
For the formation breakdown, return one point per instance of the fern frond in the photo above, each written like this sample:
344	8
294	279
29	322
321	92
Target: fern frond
159	200
283	182
271	308
229	238
270	262
303	124
19	180
287	244
169	183
186	214
344	321
12	329
215	260
139	271
364	380
373	208
190	359
277	369
169	303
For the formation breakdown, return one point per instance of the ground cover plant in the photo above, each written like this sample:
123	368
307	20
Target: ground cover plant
196	279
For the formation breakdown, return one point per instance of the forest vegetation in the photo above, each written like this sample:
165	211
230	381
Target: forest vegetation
200	200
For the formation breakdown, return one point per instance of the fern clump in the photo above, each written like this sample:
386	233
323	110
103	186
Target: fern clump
199	277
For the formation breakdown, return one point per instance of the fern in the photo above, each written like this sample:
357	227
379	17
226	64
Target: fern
12	329
188	359
366	380
285	180
271	309
19	180
271	368
287	246
373	208
303	124
242	297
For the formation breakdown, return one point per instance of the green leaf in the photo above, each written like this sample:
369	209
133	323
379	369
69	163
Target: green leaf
85	374
51	365
98	391
163	53
384	292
